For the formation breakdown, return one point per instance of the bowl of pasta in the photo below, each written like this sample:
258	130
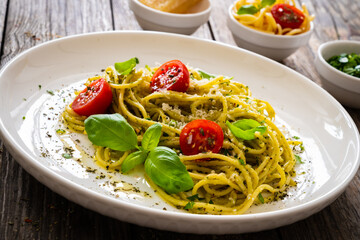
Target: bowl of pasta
174	16
338	63
272	28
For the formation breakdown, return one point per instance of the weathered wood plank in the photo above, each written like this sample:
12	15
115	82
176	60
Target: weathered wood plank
218	22
29	210
3	7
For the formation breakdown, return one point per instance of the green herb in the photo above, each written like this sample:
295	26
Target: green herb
60	131
260	197
124	68
205	75
246	128
241	161
50	92
162	164
251	9
347	63
112	131
172	123
202	132
225	152
67	155
298	159
165	169
296	137
211	202
195	197
23	117
265	3
247	9
148	68
151	137
39	87
189	205
133	159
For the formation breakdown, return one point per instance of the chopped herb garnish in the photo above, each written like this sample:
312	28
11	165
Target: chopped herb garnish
347	63
23	117
211	202
39	87
296	137
60	131
189	205
241	162
194	197
67	155
225	152
298	159
202	132
50	92
260	197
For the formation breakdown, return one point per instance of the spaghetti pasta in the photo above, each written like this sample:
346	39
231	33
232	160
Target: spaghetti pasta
264	21
244	173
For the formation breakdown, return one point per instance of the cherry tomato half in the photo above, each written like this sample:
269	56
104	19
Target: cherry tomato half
94	99
172	75
287	16
201	136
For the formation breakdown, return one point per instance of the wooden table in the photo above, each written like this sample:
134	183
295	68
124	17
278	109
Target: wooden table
29	210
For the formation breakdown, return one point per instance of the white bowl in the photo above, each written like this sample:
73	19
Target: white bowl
152	19
344	87
276	47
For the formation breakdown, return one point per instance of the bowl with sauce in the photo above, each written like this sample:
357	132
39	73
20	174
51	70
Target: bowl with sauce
174	16
338	63
274	29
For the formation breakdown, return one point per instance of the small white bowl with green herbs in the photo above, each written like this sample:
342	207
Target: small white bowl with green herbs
338	63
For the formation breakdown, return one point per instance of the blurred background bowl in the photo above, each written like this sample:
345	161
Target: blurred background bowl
276	47
344	87
187	23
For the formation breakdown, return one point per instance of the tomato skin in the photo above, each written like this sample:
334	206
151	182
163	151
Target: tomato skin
172	75
287	16
201	136
94	99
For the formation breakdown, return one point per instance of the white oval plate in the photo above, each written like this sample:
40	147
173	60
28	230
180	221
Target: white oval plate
29	118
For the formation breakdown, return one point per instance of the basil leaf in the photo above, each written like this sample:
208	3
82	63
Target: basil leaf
246	124
247	9
265	3
166	170
112	131
132	160
205	75
151	137
124	68
248	131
